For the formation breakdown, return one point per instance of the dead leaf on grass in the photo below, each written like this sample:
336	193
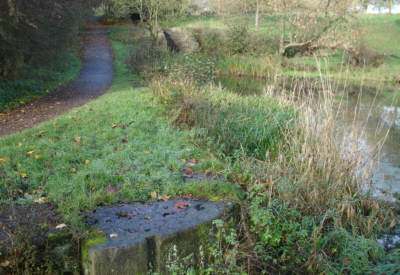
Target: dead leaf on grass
163	198
5	263
187	172
40	200
187	196
112	189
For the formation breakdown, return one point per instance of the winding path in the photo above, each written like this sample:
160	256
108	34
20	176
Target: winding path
94	79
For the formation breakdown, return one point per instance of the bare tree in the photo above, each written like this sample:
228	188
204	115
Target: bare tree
150	11
305	25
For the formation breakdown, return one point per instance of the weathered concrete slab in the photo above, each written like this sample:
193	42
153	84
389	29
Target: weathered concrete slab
156	234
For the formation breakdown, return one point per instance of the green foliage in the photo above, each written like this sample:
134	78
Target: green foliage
33	30
35	82
238	37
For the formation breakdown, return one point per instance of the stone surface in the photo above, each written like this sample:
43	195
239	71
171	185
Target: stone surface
156	234
181	40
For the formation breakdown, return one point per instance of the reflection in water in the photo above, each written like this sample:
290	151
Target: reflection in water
372	120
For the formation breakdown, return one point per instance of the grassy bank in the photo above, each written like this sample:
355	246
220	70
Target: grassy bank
304	208
36	81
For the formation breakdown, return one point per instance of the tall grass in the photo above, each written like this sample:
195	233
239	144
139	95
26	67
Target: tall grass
307	207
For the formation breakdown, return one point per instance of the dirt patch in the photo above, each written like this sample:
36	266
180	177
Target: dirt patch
94	79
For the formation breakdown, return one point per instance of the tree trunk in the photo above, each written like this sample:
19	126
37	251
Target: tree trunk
257	14
282	39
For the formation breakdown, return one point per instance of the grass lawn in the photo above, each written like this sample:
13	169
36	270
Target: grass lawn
117	148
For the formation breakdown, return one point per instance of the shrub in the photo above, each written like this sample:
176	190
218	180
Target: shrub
361	56
238	36
212	41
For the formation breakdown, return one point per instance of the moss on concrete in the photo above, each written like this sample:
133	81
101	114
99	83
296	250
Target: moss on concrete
96	237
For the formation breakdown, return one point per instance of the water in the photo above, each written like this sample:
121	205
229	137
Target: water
377	123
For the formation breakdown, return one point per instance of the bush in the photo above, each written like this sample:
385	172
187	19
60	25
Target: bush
361	56
212	42
238	36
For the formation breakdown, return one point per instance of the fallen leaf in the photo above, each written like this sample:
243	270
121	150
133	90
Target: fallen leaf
73	169
124	140
163	198
5	263
187	196
2	160
187	172
40	200
113	235
124	215
114	126
181	204
112	189
168	213
30	152
118	149
153	195
77	139
61	226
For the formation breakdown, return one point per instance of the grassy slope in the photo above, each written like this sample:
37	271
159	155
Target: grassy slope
79	159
